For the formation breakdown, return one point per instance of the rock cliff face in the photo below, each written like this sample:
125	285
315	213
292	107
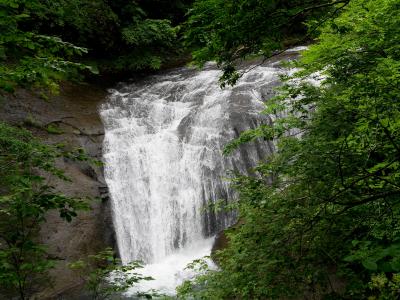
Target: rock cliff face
72	118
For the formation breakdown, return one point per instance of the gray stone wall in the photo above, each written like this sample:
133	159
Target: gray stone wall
74	114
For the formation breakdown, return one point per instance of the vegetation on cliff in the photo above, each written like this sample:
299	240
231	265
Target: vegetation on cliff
41	44
25	198
328	225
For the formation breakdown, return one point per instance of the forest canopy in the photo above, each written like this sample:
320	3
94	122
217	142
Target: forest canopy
229	31
42	42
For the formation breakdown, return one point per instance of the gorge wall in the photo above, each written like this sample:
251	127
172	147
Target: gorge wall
74	115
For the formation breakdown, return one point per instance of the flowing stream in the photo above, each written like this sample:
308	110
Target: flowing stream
164	164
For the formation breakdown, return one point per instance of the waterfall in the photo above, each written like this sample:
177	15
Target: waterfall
163	145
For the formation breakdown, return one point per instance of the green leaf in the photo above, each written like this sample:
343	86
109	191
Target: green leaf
370	265
395	265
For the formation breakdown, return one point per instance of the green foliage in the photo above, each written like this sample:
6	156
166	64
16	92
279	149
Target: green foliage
28	57
384	288
120	35
53	129
228	31
112	31
148	32
264	131
39	38
322	215
174	10
25	198
104	275
200	267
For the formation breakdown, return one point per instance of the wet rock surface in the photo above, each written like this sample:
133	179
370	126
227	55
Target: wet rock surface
70	118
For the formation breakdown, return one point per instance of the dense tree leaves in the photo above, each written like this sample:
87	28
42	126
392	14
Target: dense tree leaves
43	42
28	57
328	224
227	31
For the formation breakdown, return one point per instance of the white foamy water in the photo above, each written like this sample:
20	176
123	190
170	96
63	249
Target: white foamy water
172	271
163	163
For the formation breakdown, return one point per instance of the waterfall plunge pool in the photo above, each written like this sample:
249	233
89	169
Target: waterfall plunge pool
171	271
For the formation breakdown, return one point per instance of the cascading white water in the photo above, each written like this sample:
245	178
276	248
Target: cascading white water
163	161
